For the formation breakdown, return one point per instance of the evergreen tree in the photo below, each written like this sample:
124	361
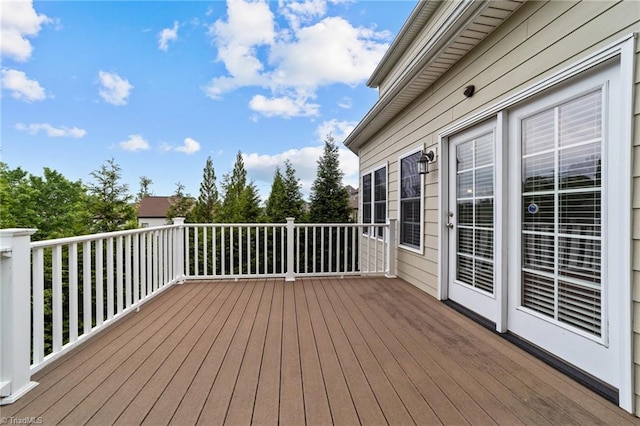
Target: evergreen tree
241	203
276	206
329	198
293	194
181	203
110	205
207	205
145	188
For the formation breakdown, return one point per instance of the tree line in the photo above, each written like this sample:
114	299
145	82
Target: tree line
59	207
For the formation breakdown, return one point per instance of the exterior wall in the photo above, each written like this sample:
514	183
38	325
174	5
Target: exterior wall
539	39
636	226
152	221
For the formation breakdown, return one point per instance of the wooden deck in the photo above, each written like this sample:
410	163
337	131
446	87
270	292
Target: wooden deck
317	351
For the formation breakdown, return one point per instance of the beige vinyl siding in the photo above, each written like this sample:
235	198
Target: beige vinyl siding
636	224
539	39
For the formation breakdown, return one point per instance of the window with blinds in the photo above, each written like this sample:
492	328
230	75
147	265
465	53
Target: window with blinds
410	201
374	198
561	212
474	204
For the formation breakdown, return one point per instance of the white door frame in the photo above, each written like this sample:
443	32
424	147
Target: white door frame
489	306
623	48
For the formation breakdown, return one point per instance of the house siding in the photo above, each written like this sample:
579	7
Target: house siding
636	223
522	51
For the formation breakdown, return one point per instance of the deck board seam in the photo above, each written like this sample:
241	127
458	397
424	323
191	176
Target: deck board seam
358	334
209	302
491	350
202	360
143	346
115	348
353	352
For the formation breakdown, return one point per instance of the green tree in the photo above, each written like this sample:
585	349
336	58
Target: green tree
207	205
145	188
110	205
295	203
276	206
241	203
54	205
181	203
329	198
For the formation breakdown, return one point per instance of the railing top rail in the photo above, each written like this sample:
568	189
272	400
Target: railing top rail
92	237
233	225
355	225
283	225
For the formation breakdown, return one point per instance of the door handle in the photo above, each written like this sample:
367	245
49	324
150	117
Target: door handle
449	225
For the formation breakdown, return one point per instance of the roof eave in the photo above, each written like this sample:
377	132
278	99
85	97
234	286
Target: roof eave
461	18
399	45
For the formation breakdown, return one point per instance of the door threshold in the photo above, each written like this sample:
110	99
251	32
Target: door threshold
605	390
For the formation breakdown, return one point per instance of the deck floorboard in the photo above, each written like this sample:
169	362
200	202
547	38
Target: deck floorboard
317	351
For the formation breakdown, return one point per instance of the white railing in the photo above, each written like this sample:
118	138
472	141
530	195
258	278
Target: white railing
82	284
55	294
287	250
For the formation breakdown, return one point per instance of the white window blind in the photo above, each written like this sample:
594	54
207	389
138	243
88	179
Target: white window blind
561	212
475	212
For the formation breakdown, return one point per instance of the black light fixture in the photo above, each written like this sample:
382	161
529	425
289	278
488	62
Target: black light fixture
423	163
469	91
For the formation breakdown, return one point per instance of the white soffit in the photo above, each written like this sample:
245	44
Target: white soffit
469	23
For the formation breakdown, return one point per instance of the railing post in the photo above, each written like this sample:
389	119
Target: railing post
15	314
179	249
290	274
391	249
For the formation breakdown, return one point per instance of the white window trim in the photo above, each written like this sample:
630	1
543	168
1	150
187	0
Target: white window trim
624	48
371	172
420	249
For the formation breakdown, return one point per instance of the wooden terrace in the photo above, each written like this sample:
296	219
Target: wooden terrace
316	351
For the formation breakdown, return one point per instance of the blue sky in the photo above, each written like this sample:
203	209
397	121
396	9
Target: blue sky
160	86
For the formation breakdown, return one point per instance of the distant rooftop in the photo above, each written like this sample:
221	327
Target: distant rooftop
154	206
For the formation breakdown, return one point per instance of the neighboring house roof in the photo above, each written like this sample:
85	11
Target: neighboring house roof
437	47
353	196
154	206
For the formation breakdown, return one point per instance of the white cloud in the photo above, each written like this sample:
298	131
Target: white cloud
18	21
114	89
345	103
237	46
51	131
300	12
190	146
135	143
283	106
338	129
328	52
292	63
167	35
21	87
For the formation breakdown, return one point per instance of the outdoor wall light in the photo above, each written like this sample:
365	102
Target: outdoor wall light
469	91
426	158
